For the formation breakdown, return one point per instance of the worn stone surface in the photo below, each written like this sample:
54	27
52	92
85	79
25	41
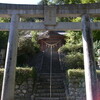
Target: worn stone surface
24	91
61	26
76	89
89	62
10	63
50	15
69	10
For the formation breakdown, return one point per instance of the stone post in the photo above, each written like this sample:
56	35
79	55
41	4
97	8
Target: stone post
10	63
89	62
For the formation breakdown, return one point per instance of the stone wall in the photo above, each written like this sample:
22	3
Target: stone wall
24	83
24	91
76	89
76	84
24	87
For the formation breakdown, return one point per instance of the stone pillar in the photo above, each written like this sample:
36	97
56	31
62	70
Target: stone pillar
49	15
10	63
89	62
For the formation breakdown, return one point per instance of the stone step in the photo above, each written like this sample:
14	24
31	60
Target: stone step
43	87
52	94
48	86
48	83
52	78
53	74
42	98
48	80
53	91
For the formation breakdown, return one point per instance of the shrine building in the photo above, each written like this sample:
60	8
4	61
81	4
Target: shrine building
51	38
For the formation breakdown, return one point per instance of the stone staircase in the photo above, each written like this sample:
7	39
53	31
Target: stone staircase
43	87
56	68
46	63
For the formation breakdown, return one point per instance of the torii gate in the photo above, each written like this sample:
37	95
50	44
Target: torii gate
49	13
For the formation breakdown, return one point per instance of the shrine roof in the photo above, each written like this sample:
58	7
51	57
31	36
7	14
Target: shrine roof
48	34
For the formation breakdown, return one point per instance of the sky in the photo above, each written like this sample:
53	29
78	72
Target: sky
20	1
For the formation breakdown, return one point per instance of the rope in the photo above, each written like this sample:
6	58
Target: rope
51	45
51	73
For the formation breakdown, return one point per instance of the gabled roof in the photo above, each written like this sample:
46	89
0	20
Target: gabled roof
48	34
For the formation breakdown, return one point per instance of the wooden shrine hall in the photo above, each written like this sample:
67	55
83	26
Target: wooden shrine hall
51	38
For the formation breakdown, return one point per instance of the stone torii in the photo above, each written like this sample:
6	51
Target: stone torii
49	13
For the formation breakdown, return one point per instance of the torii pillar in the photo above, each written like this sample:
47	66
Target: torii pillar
89	62
10	63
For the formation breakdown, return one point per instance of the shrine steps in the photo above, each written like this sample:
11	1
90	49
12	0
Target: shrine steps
43	87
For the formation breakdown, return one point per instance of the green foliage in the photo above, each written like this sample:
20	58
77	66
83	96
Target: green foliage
35	41
73	42
63	19
74	1
68	48
44	2
1	75
96	47
31	19
74	60
25	50
3	34
79	74
22	75
88	1
58	2
27	47
78	19
76	73
96	19
96	35
73	50
4	19
77	77
98	74
3	39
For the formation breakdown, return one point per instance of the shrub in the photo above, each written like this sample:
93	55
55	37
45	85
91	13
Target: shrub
27	48
98	74
76	73
96	47
79	74
1	74
68	48
76	77
74	60
22	74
